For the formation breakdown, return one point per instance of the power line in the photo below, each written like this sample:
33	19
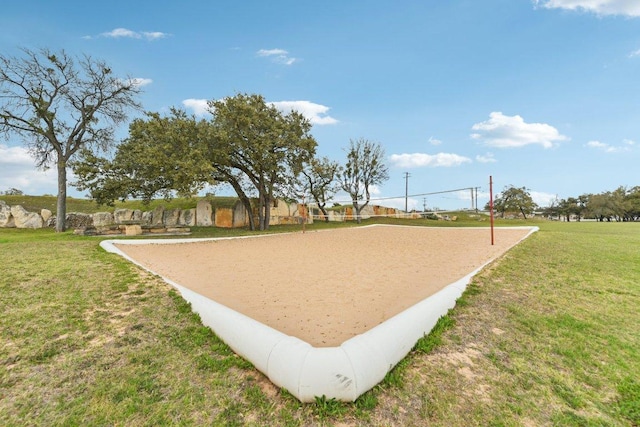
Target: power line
373	199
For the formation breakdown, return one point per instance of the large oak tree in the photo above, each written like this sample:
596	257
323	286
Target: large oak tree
162	155
247	144
59	105
264	145
514	199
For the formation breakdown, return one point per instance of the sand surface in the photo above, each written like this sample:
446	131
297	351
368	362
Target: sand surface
325	287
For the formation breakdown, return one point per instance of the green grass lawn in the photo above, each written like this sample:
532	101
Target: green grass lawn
547	335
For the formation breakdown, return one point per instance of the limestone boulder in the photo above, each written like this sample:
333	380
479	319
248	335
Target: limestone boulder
46	214
187	217
367	212
78	220
6	219
157	216
171	217
240	216
146	217
25	219
204	214
103	219
122	215
224	217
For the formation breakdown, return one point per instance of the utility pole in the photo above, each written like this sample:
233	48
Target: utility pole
476	190
471	197
406	191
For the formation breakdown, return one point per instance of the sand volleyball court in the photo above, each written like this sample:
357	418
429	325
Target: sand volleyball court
325	287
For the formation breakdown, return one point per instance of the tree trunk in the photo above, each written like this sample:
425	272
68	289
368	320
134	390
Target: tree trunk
356	210
324	212
267	212
61	208
246	202
261	210
523	214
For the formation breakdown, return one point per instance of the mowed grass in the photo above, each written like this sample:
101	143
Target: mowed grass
547	335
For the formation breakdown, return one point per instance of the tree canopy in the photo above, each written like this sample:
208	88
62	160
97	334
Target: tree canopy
621	204
60	105
364	168
319	180
514	199
263	144
161	155
247	144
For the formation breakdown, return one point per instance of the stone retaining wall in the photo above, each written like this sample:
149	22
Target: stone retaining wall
203	215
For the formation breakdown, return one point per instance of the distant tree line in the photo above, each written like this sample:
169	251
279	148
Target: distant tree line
622	204
12	192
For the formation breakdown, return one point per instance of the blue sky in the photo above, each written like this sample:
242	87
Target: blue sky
543	94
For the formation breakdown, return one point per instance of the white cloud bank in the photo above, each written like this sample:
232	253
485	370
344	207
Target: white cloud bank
198	106
599	7
137	81
512	131
118	33
315	113
279	56
542	199
486	158
18	170
434	141
608	148
417	160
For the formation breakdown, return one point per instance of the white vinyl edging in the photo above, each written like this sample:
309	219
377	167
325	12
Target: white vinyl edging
307	372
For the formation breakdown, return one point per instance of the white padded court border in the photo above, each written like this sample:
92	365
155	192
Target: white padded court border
344	372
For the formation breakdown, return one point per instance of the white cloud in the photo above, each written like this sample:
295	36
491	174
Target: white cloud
599	7
417	160
634	53
18	170
272	52
126	33
121	32
486	158
153	35
434	141
139	81
542	199
315	113
608	148
512	131
199	106
279	56
14	156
